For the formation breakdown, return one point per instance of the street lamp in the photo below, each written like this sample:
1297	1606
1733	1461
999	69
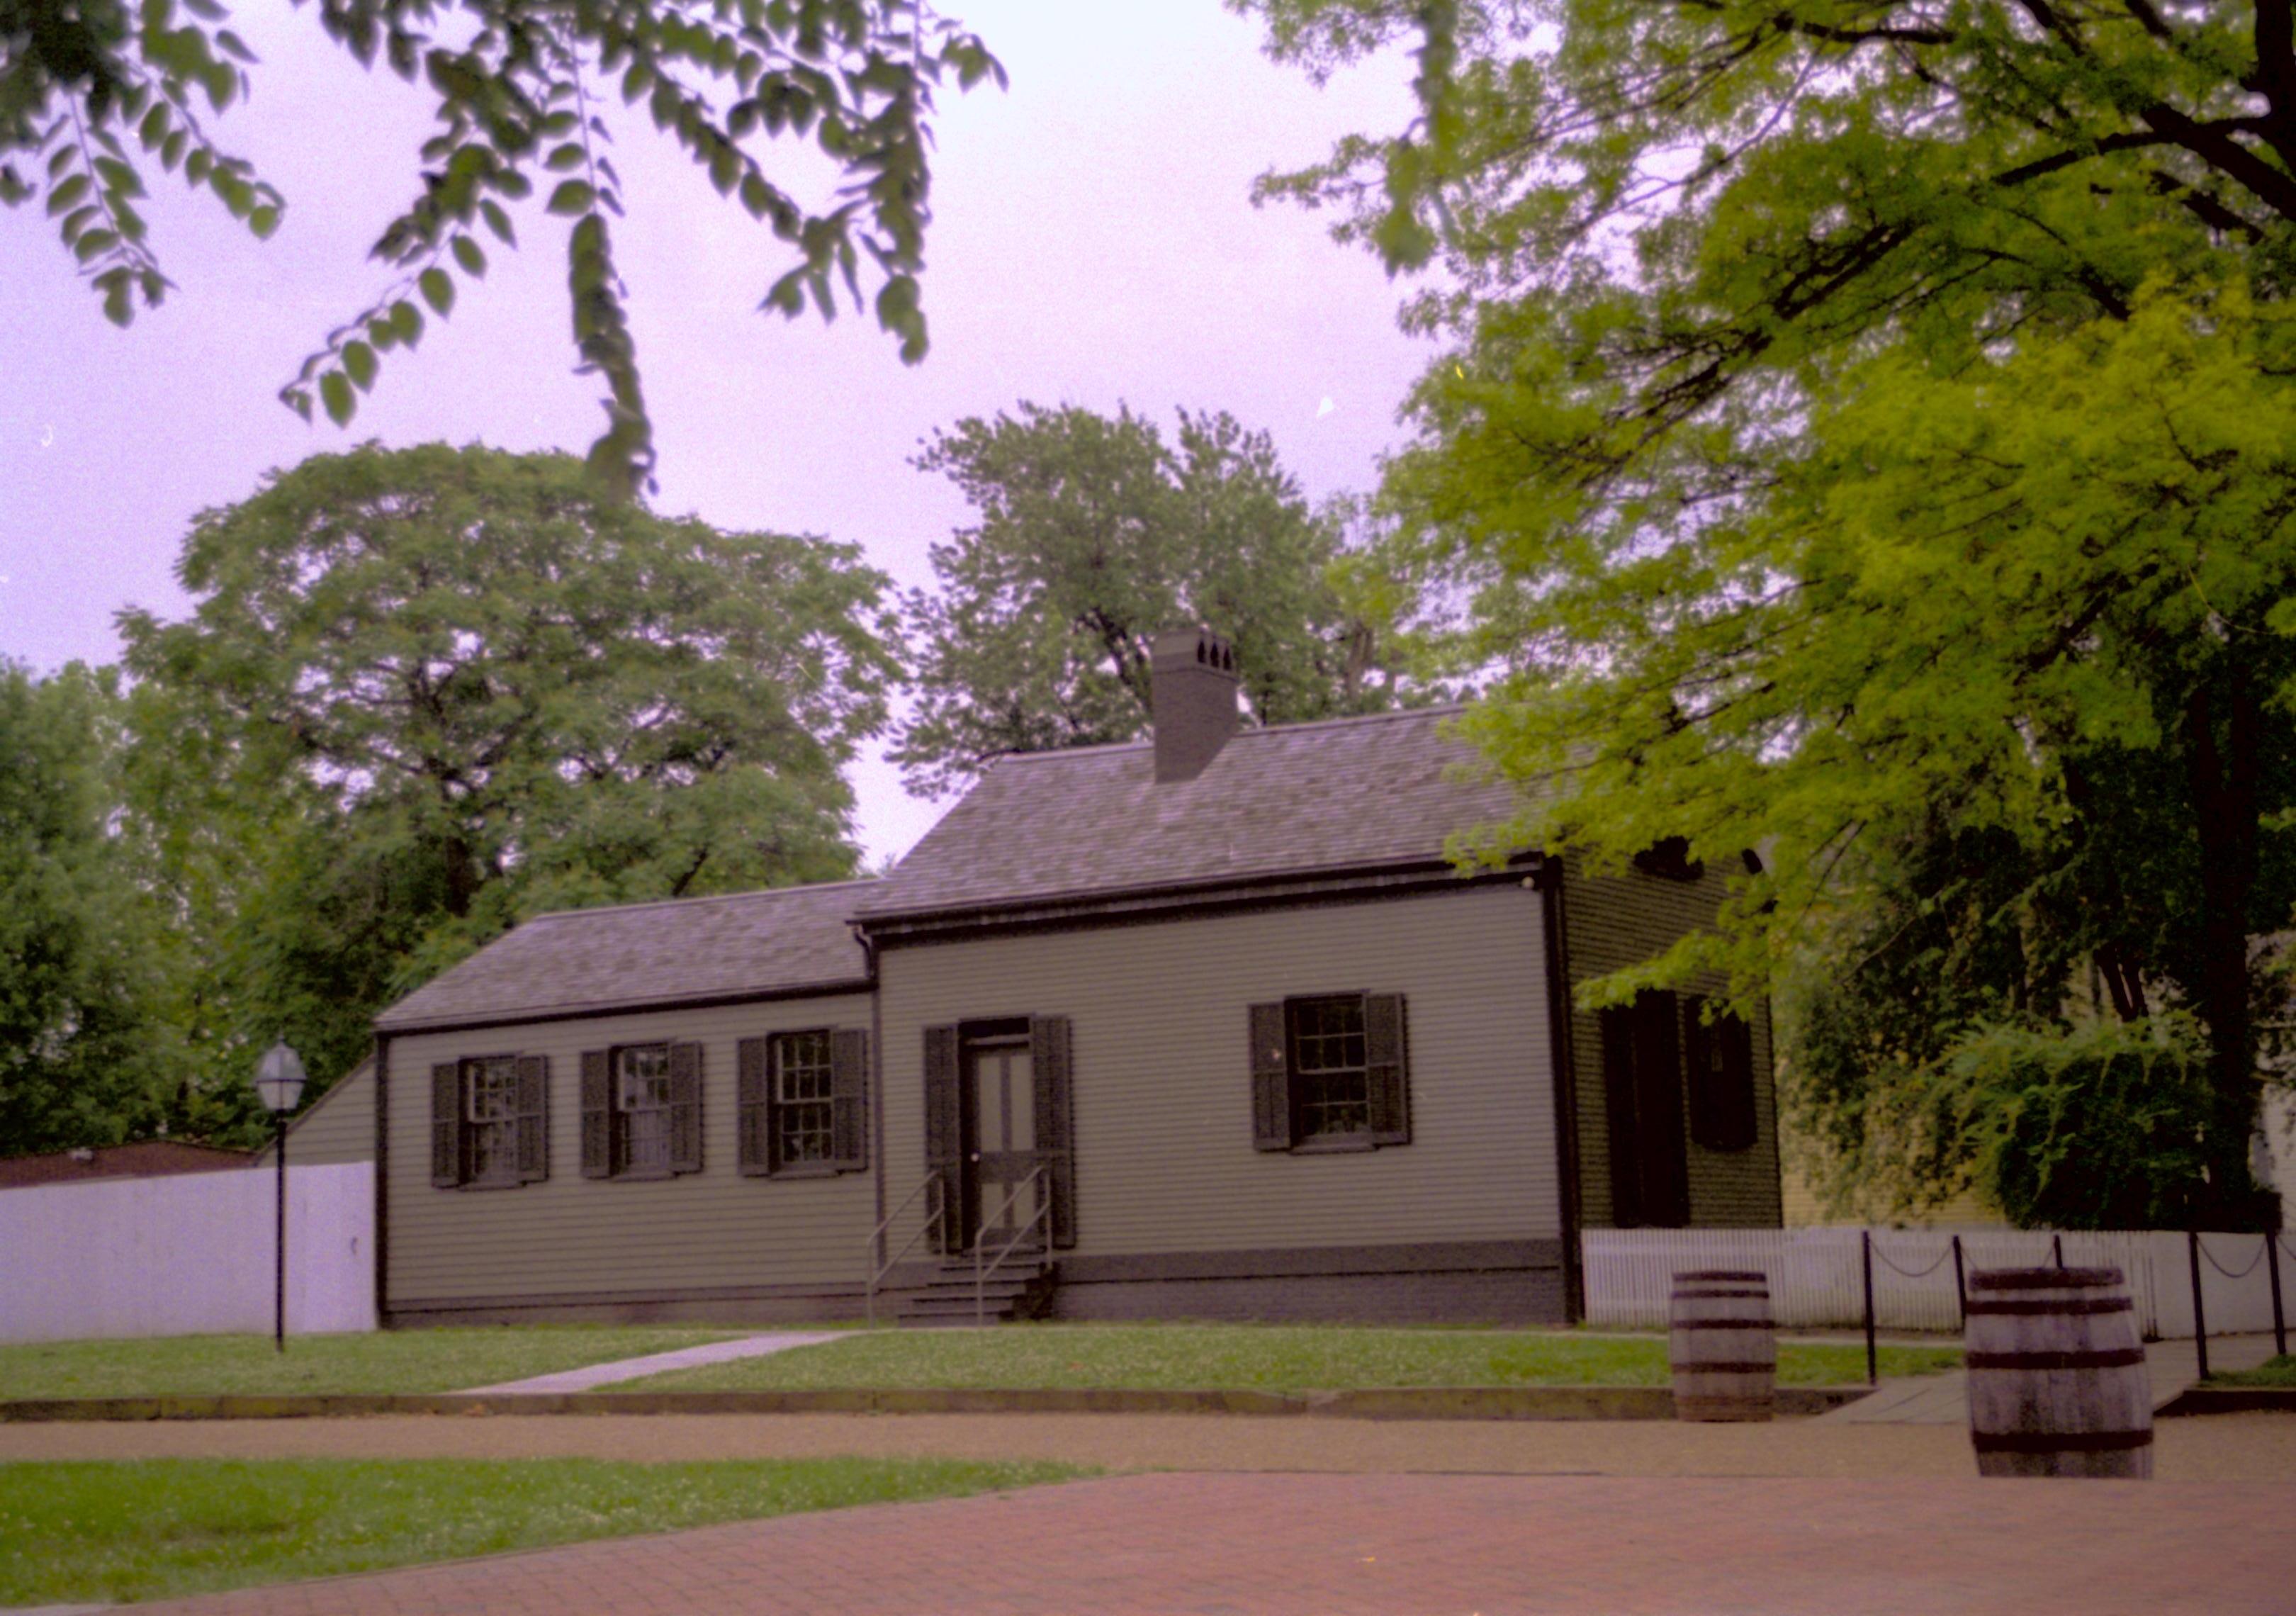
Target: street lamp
278	1080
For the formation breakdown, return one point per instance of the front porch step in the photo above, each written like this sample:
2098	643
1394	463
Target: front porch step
1021	1288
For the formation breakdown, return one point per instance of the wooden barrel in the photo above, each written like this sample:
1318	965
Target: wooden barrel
1723	1347
2057	1384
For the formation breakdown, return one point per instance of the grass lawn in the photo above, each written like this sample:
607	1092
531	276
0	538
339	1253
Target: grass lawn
385	1361
1264	1357
2273	1372
72	1532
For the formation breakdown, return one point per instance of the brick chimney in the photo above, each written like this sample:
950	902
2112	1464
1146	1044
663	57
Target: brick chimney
1191	687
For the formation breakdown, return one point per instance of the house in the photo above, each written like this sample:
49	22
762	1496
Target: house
1214	1006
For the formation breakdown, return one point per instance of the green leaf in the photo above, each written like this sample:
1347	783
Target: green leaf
335	393
406	320
359	364
93	244
497	221
573	196
263	220
566	157
61	198
437	289
467	254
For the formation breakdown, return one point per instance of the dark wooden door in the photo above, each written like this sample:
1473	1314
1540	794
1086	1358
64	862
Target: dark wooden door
1641	1073
999	1127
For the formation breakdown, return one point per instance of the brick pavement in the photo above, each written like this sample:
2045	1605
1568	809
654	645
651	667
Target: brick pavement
1332	1545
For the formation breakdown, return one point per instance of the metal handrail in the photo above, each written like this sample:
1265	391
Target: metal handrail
979	1243
878	1270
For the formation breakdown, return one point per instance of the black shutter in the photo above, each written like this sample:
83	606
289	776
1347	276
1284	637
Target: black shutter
1049	1066
533	1117
445	1125
685	1108
597	1114
1271	1080
753	1107
1388	1068
849	1088
1658	1109
943	1127
1738	1122
1698	1055
1618	1025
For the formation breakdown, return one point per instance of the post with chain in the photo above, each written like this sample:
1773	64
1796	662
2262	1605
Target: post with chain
2272	1266
1960	1284
1873	1358
2057	1250
2200	1318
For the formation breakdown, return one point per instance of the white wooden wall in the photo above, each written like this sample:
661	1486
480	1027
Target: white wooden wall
188	1254
1816	1281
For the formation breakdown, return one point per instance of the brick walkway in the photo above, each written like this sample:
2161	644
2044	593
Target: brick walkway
1276	1545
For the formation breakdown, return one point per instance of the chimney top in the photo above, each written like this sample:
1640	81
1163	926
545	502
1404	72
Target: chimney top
1192	698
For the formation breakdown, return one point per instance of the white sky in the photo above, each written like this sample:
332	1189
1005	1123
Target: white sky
1093	241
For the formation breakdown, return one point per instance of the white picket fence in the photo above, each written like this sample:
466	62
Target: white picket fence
188	1254
1816	1279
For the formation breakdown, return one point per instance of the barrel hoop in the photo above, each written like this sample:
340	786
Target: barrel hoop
2068	1306
2063	1441
2113	1357
1717	1367
1720	1276
1757	1292
2042	1279
1723	1324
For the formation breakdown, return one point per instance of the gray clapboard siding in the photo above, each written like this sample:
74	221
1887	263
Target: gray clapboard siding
1162	1083
339	1127
717	1229
1619	921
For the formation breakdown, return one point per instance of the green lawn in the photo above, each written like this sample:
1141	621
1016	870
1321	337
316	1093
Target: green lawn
384	1361
2273	1372
1264	1357
107	1531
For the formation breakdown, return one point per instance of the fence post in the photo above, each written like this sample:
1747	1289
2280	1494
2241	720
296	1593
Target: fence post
2057	1250
2200	1318
2272	1265
1865	1254
1960	1286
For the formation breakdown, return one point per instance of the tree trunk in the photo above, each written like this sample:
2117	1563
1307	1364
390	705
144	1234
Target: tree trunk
2222	771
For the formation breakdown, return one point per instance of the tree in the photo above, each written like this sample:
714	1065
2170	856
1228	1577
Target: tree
1094	535
1859	419
426	693
92	90
83	1053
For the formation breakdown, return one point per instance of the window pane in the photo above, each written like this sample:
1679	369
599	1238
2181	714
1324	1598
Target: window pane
491	1116
1331	1085
641	1085
804	1116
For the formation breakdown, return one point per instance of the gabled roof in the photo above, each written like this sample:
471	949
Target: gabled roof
145	1158
786	940
1294	800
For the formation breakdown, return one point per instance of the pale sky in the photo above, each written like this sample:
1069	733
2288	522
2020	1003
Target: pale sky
1093	241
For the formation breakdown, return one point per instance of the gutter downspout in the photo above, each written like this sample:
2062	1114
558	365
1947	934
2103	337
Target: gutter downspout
876	1087
382	1179
1549	881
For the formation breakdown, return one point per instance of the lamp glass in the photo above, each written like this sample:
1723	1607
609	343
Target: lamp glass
279	1078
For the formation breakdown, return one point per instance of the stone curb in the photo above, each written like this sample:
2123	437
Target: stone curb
2228	1399
1396	1403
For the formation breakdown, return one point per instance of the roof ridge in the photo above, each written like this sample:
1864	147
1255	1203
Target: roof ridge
1394	716
707	898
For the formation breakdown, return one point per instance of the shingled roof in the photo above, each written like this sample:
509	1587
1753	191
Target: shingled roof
780	940
1292	800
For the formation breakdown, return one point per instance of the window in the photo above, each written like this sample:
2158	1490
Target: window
490	1115
1330	1081
1723	1115
803	1100
642	1110
805	1109
642	1098
489	1121
1329	1071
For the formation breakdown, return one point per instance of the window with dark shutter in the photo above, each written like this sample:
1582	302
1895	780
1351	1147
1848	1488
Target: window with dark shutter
1719	1055
1643	1088
685	1108
597	1113
1331	1071
1053	1101
533	1117
849	1100
752	1107
1388	1068
490	1119
445	1125
803	1094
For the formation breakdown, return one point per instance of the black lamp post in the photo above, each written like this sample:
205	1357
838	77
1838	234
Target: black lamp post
278	1080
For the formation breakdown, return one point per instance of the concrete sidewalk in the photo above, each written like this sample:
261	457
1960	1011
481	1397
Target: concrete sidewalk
1943	1399
594	1376
1334	1545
